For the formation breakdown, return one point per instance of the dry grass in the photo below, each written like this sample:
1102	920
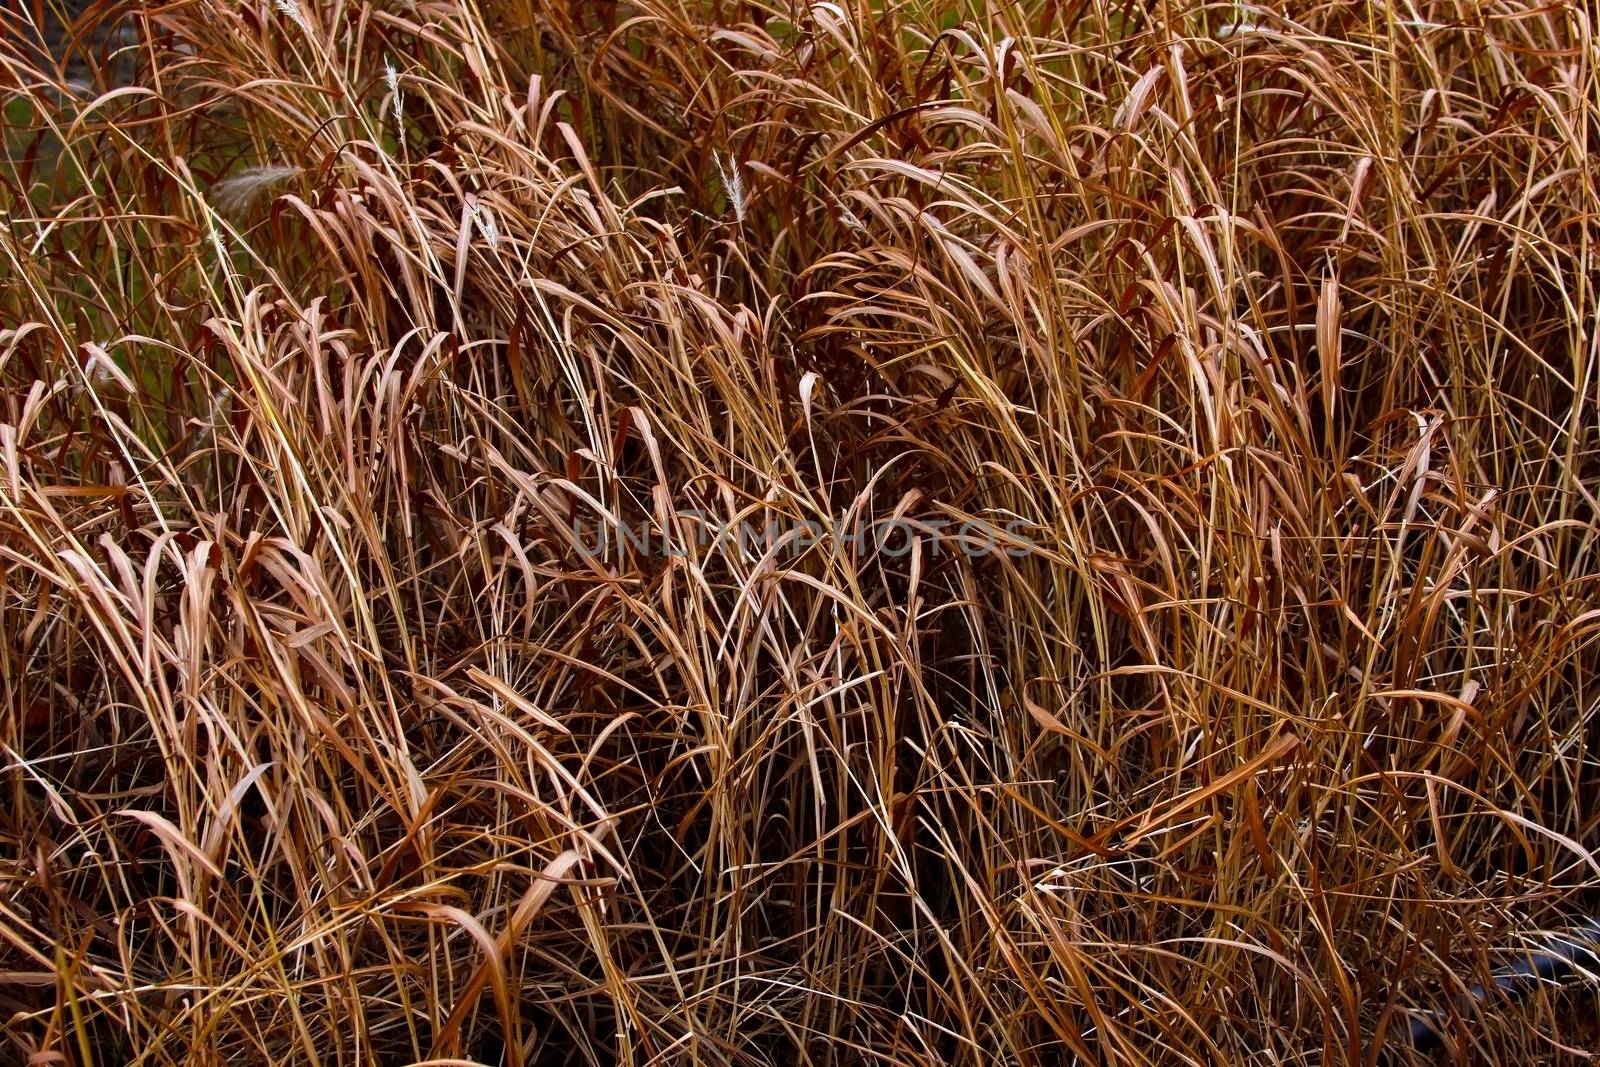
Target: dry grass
322	325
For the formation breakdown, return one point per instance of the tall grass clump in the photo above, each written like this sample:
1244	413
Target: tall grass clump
386	389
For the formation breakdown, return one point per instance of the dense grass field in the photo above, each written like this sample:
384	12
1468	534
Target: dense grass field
742	533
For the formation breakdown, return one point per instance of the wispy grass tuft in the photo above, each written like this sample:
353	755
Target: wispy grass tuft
240	192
